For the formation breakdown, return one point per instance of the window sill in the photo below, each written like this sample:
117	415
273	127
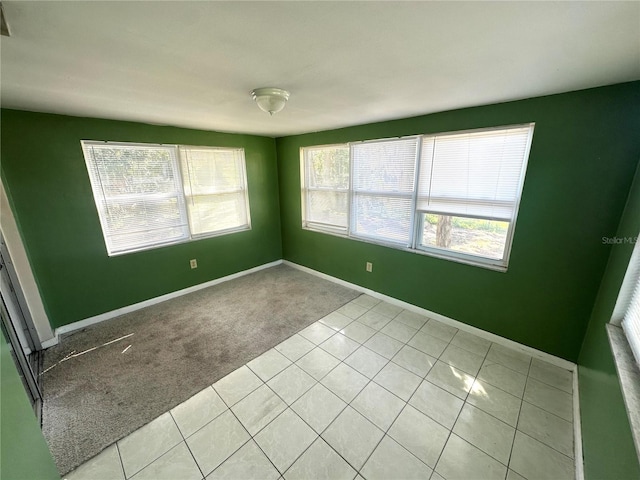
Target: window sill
458	259
629	376
192	238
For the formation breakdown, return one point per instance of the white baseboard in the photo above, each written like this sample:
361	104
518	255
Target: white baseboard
51	342
547	357
577	429
560	362
152	301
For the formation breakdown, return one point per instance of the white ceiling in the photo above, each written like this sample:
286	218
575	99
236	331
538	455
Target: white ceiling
193	64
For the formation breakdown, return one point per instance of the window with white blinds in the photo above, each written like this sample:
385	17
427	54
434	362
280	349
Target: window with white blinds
383	185
469	191
215	188
627	310
631	323
325	185
153	195
473	174
454	195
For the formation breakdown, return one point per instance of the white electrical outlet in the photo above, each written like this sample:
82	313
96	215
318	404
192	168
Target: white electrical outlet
369	267
194	263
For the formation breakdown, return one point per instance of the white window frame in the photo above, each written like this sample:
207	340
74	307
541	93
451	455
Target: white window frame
182	196
243	189
383	194
627	304
625	340
417	215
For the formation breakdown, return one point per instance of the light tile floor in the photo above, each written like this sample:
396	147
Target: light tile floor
371	391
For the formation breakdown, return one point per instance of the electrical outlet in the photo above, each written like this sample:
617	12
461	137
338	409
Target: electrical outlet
369	267
194	263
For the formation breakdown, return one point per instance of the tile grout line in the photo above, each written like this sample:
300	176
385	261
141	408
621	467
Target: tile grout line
124	475
318	437
317	382
543	408
359	413
547	382
218	416
324	430
241	399
542	441
164	453
251	437
184	439
348	404
535	439
498	387
456	420
521	399
513	442
159	456
385	432
551	386
287	406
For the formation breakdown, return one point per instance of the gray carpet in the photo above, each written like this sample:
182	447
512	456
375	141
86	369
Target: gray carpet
177	348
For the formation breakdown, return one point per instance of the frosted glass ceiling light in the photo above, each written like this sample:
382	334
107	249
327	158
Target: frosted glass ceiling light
269	99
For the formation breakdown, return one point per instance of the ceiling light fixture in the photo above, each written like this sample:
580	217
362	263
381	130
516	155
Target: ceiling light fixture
270	99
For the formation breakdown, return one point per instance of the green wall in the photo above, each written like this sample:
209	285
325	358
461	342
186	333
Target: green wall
47	183
609	452
23	451
583	157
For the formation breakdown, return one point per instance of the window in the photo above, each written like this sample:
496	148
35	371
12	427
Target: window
153	195
469	190
627	309
383	185
631	323
326	187
453	195
215	188
624	333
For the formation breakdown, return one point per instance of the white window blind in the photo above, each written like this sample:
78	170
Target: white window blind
631	323
452	195
326	187
138	192
629	303
474	174
153	195
383	185
629	284
215	189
